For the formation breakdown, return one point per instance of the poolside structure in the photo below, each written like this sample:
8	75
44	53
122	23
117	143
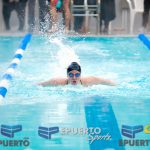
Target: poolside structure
88	11
123	23
135	6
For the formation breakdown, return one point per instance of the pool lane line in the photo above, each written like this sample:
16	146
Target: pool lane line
99	114
145	40
7	77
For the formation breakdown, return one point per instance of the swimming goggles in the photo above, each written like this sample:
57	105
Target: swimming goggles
72	75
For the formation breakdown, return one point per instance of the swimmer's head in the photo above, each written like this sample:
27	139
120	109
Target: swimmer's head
74	73
74	66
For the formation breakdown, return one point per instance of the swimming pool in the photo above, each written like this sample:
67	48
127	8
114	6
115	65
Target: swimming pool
125	60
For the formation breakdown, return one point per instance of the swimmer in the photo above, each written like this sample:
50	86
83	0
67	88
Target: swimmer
74	78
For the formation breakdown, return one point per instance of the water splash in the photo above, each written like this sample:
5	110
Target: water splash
64	56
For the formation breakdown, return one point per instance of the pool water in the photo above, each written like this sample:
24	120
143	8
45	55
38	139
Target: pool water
124	60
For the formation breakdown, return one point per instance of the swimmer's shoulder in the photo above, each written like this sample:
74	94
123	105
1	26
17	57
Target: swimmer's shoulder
86	80
54	82
58	81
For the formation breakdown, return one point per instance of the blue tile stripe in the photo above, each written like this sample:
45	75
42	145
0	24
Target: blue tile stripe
16	60
99	113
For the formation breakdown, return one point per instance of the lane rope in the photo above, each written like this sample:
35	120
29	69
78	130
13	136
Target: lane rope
145	40
8	75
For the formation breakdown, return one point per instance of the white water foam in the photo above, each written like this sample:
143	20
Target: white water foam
1	99
64	56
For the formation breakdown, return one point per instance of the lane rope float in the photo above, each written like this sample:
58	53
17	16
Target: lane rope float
145	40
8	75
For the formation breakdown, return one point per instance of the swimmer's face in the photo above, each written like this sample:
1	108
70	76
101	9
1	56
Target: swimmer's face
74	77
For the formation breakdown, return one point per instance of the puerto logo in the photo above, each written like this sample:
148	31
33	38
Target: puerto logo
131	132
9	131
46	132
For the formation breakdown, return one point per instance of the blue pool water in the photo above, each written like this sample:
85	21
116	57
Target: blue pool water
124	60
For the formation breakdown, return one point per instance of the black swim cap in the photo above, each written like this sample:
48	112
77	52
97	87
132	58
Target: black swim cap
74	66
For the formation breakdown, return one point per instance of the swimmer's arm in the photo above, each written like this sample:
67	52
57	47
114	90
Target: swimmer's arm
53	82
97	80
106	82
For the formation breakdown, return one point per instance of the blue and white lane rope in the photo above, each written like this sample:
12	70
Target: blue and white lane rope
4	84
145	40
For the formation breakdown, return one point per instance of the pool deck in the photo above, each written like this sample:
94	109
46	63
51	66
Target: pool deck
20	34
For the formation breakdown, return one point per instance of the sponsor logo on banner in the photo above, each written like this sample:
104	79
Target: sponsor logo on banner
131	132
9	132
91	134
47	132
